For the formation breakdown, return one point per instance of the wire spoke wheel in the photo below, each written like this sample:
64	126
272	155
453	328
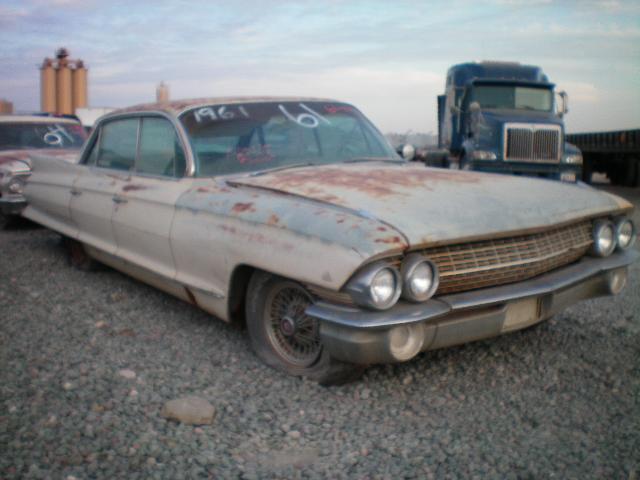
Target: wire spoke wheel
293	335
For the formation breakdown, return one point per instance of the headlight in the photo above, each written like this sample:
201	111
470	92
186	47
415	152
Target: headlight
574	158
604	238
483	155
16	186
376	286
419	278
625	233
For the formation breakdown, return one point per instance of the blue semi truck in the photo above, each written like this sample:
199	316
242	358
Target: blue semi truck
505	118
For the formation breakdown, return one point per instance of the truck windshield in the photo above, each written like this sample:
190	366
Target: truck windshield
513	97
248	137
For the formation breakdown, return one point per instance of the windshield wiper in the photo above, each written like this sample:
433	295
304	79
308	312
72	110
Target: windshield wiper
281	167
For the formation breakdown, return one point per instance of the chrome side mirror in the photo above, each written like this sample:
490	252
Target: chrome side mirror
564	108
408	152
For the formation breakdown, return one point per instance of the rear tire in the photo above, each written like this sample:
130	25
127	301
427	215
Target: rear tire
78	256
284	337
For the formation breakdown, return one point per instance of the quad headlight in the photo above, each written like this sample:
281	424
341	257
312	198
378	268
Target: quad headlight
625	233
419	278
376	286
604	238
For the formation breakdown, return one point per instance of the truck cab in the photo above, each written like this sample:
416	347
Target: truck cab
505	118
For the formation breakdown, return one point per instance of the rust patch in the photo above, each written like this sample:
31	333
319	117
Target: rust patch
377	182
243	207
394	239
382	229
133	188
273	219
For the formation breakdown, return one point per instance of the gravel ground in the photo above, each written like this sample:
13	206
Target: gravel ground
561	399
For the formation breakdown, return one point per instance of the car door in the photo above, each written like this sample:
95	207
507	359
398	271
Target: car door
107	169
143	216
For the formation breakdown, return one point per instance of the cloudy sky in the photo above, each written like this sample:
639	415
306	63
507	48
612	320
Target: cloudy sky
387	57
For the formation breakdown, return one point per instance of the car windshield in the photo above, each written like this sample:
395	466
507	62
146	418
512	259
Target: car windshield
250	137
40	135
513	97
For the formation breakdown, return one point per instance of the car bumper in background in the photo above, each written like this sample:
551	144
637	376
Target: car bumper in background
366	337
12	205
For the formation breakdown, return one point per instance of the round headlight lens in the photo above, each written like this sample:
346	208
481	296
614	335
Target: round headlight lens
419	278
16	186
625	234
383	287
604	238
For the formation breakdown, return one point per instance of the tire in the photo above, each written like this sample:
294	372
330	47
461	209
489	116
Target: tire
78	256
284	338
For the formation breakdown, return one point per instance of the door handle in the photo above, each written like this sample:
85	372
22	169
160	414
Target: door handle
119	199
75	192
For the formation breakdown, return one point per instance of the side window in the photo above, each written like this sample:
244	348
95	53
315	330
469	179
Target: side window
160	149
118	141
91	157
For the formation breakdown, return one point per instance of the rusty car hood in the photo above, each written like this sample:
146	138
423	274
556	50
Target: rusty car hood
431	206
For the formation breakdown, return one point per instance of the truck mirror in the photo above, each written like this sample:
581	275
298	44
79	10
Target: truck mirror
565	103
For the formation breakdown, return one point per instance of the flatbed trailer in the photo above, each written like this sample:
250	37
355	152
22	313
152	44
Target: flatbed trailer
616	153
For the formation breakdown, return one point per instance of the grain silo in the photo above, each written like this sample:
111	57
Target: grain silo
79	81
63	84
162	93
64	98
47	86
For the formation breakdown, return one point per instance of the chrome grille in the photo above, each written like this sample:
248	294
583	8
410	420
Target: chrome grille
488	263
496	262
532	142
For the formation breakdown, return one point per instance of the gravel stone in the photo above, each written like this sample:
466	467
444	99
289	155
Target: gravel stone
558	400
190	410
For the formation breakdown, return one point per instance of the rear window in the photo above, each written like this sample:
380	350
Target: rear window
41	135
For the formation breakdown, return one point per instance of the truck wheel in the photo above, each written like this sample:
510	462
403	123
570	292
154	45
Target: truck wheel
78	257
284	337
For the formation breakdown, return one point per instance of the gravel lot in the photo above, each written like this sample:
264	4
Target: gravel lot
561	399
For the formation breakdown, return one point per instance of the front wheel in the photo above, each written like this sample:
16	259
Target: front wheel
287	339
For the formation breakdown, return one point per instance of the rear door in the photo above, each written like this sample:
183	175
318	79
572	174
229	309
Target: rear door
107	170
143	216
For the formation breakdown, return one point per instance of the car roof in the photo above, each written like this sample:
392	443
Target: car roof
176	107
35	119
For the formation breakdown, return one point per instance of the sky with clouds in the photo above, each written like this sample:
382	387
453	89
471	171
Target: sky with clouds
388	58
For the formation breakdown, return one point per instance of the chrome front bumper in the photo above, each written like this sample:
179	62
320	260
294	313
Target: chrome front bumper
365	337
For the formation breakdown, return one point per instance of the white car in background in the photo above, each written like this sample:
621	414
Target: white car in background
20	137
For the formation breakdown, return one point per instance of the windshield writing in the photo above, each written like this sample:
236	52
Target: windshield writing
250	137
40	135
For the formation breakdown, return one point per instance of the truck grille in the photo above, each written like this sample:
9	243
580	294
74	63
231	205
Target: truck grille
496	262
532	142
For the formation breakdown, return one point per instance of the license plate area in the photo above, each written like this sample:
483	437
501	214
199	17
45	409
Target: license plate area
522	313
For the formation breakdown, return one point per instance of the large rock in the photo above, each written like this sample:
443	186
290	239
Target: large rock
191	410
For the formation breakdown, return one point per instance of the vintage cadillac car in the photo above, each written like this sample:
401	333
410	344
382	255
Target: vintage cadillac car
294	216
20	135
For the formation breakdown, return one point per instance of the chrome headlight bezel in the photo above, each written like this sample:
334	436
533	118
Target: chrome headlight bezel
599	227
360	286
620	223
408	270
